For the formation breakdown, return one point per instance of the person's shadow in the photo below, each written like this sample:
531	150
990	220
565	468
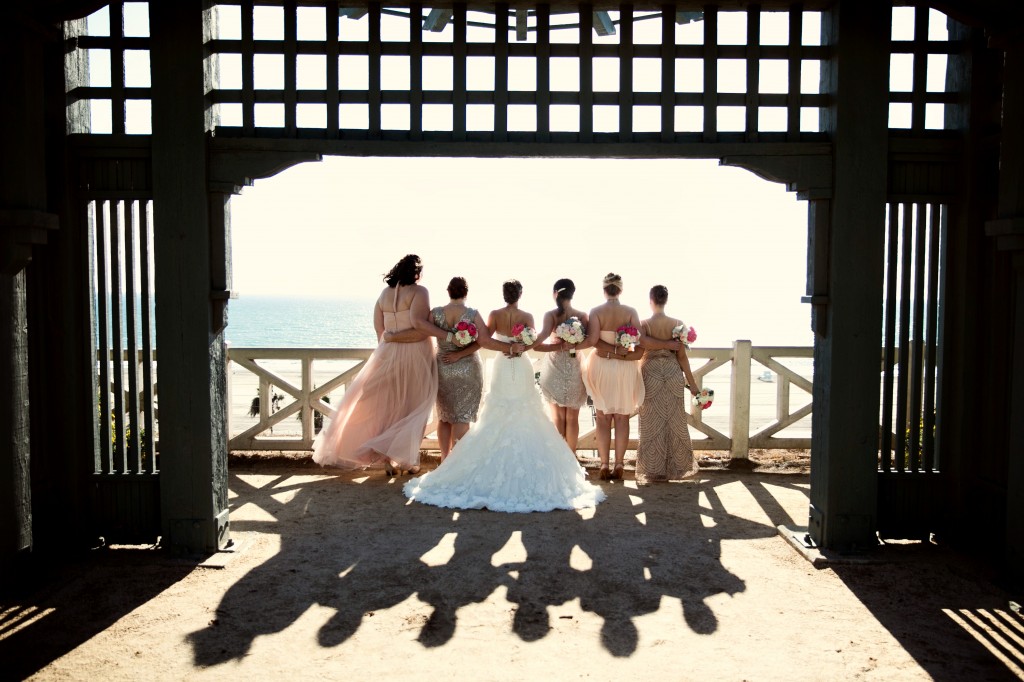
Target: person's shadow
372	564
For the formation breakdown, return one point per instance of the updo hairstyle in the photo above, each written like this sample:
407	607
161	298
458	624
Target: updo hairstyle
457	288
511	290
659	294
612	284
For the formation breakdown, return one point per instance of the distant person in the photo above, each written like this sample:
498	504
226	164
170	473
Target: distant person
460	376
561	381
612	375
665	451
512	459
381	418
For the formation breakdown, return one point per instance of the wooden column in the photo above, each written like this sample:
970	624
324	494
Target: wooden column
193	453
1008	230
846	346
24	223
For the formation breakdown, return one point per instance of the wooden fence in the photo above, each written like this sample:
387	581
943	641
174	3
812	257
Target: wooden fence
290	387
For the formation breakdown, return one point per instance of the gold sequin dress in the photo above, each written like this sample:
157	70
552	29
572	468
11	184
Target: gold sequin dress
459	384
665	451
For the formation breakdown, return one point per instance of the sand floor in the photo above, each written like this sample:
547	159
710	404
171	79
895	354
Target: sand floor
338	577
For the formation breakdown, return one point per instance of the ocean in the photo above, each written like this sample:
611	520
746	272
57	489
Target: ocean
280	322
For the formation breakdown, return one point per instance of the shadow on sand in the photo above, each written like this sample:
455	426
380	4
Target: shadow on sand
373	551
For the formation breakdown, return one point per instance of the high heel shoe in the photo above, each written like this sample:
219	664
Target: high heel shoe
602	473
390	470
616	474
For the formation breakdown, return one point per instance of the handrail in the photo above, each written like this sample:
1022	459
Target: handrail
731	411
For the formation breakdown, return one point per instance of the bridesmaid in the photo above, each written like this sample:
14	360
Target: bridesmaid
665	450
460	377
612	375
561	382
382	416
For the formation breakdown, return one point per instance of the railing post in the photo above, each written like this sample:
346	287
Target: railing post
739	413
306	412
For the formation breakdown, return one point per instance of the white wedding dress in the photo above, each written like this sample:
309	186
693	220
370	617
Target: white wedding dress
512	459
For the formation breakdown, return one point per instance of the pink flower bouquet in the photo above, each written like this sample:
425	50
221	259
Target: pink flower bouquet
465	334
685	334
524	335
627	337
571	331
704	399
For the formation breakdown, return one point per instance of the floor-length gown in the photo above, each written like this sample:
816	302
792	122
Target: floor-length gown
665	451
615	385
512	459
385	410
460	384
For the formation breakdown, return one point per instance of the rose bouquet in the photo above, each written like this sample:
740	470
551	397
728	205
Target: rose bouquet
685	334
571	331
704	399
524	335
627	336
464	333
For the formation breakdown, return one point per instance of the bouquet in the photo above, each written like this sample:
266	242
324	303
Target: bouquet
571	331
704	399
685	334
465	334
524	335
627	336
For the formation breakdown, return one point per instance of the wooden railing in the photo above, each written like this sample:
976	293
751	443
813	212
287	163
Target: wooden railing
302	387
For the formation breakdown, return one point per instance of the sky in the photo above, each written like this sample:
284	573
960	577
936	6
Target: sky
730	247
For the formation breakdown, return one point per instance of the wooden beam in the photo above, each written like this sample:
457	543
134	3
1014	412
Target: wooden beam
193	384
844	478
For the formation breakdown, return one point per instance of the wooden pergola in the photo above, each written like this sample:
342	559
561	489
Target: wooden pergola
915	234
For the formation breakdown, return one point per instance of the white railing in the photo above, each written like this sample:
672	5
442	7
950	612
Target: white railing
301	382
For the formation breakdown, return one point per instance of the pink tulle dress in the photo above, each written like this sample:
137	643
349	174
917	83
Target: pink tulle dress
385	410
616	386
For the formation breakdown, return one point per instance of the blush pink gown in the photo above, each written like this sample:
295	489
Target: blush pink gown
385	410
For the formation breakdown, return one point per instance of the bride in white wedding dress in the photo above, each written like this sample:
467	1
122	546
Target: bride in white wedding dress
512	459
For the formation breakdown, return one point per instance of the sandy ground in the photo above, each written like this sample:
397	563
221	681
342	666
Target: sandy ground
338	577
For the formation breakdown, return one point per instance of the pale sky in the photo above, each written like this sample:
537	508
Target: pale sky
730	247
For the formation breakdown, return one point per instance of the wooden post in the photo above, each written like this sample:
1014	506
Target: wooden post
193	384
1009	232
844	478
739	426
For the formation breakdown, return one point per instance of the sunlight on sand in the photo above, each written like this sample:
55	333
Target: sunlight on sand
11	622
346	571
286	496
252	512
512	553
706	519
642	518
994	631
634	500
579	560
442	552
587	514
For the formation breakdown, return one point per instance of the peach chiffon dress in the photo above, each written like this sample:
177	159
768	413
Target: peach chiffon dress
616	386
385	410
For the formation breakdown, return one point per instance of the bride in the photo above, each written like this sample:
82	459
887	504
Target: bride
512	459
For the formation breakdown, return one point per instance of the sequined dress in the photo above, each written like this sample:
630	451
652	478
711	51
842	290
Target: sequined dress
561	382
459	384
665	450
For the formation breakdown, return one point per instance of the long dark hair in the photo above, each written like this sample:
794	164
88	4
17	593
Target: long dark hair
564	290
406	271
